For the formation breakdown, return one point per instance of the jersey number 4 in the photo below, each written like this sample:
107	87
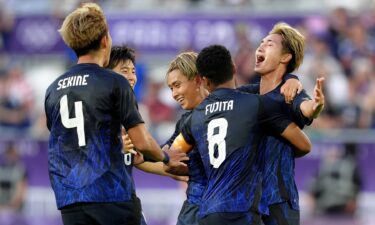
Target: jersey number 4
216	134
77	122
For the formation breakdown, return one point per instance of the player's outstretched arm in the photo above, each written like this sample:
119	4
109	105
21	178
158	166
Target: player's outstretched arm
312	108
145	143
297	138
148	167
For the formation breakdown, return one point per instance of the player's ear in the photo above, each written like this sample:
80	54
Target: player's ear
104	42
206	83
285	58
234	68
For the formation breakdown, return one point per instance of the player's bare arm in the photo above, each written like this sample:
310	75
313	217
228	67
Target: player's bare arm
158	169
144	143
297	138
148	167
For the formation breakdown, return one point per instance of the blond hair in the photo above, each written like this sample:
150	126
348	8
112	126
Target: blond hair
293	42
83	29
185	62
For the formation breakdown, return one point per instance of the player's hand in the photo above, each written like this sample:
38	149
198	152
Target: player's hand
176	157
290	89
319	99
128	146
138	158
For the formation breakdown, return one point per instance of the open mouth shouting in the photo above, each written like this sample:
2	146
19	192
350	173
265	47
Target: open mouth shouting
259	59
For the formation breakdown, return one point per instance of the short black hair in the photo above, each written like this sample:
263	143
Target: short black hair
215	63
120	54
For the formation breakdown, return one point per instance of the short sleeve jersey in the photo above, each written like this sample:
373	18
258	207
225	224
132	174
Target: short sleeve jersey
225	128
85	109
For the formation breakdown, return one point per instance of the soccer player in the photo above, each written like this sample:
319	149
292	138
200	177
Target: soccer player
122	61
85	108
188	90
279	54
226	128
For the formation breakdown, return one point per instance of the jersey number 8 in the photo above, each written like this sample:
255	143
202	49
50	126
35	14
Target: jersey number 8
217	140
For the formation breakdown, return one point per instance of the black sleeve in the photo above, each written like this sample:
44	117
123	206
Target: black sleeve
249	88
127	102
186	130
271	116
289	76
177	129
46	109
298	116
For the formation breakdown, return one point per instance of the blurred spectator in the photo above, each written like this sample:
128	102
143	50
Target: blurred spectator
369	21
319	62
13	186
335	188
359	87
16	103
244	59
367	117
339	20
6	25
357	43
158	110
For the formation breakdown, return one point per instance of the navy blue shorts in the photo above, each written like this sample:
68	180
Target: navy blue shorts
188	214
119	213
248	218
282	214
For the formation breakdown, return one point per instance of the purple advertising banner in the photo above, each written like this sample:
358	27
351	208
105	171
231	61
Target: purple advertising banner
34	156
147	33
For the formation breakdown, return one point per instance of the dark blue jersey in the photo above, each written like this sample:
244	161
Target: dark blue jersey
279	184
225	128
85	109
197	177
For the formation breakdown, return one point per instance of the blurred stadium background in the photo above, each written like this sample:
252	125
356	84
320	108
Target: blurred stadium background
336	180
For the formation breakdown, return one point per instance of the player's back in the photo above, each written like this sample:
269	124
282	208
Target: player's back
224	127
85	108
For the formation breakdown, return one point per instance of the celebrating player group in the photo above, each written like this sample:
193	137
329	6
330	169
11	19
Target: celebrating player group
235	146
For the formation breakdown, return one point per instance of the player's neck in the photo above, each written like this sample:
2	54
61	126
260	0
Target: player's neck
270	81
229	84
91	58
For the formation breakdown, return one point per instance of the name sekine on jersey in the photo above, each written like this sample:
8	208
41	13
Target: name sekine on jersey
78	80
219	106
